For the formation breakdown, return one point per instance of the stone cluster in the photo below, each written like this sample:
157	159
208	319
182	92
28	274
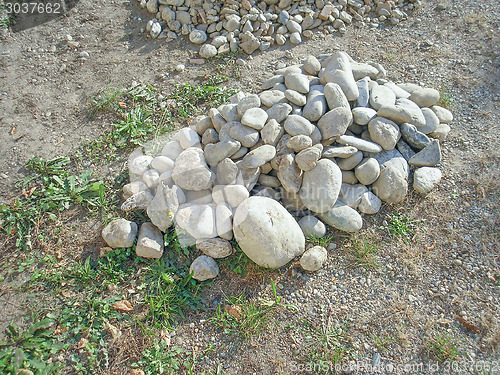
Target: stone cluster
252	25
323	143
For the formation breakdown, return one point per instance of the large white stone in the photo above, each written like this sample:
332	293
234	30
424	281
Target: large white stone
267	233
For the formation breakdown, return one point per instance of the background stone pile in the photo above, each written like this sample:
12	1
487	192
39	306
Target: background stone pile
256	25
323	143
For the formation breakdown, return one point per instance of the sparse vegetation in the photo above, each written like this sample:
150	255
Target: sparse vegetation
28	352
246	317
401	226
442	347
362	253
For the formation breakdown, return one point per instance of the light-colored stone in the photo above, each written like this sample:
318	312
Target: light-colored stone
198	220
204	268
384	132
254	118
191	172
307	159
342	217
215	247
140	164
382	96
367	171
335	122
404	110
289	174
369	204
120	233
426	179
138	201
296	125
360	144
299	142
149	242
197	36
429	156
231	194
224	221
391	186
267	233
207	51
335	96
248	137
321	186
312	227
425	97
259	156
172	149
351	162
362	116
316	103
312	65
313	258
431	121
443	114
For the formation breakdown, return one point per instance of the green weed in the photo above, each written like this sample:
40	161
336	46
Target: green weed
401	226
362	253
445	98
104	100
166	294
189	98
320	241
245	317
442	347
327	342
29	350
161	358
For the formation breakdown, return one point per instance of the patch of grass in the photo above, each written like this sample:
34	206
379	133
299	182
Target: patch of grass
445	98
226	64
238	262
189	98
245	317
327	342
161	358
48	189
320	241
362	253
442	347
105	100
29	350
401	226
382	342
166	294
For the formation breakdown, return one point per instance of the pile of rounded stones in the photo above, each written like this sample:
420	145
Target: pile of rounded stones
323	143
255	25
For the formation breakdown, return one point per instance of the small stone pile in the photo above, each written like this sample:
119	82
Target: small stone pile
323	143
256	25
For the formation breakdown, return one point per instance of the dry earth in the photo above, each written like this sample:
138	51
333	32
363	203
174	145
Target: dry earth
449	269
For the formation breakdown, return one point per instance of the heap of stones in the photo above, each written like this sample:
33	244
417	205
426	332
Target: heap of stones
256	25
325	142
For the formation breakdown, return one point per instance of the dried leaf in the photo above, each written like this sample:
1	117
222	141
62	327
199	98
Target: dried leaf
122	105
60	330
81	344
491	276
123	306
13	130
432	247
234	311
67	294
103	251
467	324
115	332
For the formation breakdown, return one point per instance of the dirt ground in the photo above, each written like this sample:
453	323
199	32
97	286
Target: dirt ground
450	270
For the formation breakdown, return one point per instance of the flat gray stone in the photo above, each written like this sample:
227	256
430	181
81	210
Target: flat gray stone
204	268
215	247
413	137
342	217
296	125
335	122
427	157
